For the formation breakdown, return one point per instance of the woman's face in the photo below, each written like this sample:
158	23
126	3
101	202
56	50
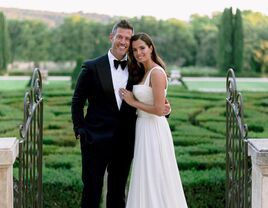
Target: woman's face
141	51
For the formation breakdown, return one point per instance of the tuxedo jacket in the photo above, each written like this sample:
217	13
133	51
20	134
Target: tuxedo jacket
103	120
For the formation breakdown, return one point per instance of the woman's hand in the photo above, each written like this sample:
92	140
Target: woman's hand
127	96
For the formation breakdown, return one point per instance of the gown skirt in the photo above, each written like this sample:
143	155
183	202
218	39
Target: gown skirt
155	179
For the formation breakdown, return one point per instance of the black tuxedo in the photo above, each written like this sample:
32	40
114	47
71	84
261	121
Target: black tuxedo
107	134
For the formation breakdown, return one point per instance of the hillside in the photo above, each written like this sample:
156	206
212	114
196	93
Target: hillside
51	18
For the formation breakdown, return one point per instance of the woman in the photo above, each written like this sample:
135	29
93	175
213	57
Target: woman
155	180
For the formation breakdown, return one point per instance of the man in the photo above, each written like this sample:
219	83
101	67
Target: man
107	131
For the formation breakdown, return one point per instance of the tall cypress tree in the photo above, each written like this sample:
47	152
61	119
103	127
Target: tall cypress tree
225	46
231	41
4	43
238	43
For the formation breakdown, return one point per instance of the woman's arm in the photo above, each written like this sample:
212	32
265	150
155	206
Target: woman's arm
158	84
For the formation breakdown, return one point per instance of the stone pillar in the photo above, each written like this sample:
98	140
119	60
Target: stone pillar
258	150
8	152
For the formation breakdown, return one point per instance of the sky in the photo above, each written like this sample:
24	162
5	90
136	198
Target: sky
164	9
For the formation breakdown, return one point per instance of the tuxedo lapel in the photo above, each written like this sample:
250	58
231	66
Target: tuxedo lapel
105	76
129	84
128	87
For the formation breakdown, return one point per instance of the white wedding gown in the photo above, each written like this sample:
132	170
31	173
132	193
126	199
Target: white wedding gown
155	181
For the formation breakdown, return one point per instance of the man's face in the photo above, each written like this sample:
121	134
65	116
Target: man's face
120	42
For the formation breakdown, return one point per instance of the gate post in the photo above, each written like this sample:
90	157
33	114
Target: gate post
258	150
8	154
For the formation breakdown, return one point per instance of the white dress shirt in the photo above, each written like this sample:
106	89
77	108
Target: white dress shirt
119	77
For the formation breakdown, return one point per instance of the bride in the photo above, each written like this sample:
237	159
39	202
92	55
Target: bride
155	179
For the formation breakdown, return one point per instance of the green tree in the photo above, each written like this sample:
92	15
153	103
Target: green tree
238	42
30	41
205	32
4	44
231	41
179	44
261	57
15	33
255	27
74	39
173	38
225	46
206	51
36	42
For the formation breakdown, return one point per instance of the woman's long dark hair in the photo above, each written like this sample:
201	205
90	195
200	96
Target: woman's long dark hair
136	69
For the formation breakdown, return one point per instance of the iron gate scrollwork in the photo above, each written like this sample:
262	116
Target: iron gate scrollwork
29	184
238	164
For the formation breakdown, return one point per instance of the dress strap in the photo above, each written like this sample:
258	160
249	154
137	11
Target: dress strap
147	80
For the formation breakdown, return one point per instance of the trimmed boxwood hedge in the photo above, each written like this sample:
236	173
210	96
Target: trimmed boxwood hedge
197	122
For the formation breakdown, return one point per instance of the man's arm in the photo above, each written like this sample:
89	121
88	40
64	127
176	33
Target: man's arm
78	101
167	110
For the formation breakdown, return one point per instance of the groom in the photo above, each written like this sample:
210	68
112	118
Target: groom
107	131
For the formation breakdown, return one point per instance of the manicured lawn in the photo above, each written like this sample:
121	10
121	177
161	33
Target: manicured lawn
6	85
219	84
10	85
199	84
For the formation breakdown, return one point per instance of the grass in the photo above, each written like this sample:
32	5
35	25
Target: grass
21	85
220	85
210	84
7	85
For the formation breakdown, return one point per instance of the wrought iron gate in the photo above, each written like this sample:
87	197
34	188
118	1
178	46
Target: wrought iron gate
29	182
238	164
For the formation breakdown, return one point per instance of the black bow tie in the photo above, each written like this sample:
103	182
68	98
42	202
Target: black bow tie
122	63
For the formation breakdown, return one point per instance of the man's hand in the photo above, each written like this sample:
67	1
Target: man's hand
167	109
84	135
81	133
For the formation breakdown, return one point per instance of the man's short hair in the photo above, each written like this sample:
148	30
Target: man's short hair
122	24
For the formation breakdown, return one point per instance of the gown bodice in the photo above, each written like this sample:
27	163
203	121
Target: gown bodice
144	93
